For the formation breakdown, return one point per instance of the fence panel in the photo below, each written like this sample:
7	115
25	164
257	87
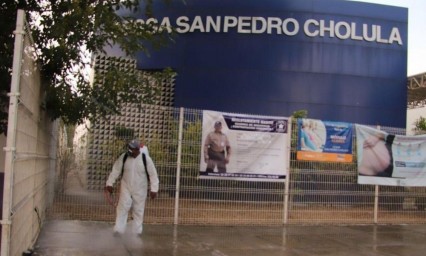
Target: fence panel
400	204
319	192
199	201
326	192
29	166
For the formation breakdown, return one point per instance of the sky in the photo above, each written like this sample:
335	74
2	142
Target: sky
416	32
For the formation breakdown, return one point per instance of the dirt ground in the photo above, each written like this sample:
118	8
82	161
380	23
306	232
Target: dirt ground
201	212
76	203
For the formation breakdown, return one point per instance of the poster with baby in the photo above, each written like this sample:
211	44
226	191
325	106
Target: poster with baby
392	160
324	141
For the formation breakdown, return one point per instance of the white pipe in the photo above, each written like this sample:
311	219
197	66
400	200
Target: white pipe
376	198
52	163
376	203
287	178
11	136
179	162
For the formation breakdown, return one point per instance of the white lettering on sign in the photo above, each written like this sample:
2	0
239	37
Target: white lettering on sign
344	30
274	25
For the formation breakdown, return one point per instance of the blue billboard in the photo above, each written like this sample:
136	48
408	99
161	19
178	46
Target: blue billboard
339	60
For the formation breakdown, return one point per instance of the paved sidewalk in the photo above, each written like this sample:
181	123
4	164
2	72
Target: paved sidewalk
82	238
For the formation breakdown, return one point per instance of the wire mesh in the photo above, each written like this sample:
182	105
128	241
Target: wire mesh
327	192
29	142
319	192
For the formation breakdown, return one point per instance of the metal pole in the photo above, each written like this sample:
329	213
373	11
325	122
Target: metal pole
376	203
287	178
178	165
376	198
10	148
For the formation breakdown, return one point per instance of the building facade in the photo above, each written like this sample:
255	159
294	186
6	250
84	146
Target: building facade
339	60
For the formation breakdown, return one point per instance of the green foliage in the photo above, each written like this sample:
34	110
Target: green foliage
164	151
190	151
66	33
303	113
420	125
112	150
7	25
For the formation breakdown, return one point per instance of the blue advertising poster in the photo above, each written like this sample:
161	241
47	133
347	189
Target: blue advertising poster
324	141
244	147
391	160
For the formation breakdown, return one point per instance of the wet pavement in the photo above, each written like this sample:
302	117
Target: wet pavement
81	238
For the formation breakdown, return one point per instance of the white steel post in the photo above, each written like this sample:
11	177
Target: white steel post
376	203
178	165
287	178
376	198
10	148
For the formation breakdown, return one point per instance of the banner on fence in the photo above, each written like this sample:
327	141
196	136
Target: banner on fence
244	147
324	141
393	160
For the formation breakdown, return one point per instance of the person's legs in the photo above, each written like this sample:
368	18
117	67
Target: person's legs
139	200
221	166
210	166
123	207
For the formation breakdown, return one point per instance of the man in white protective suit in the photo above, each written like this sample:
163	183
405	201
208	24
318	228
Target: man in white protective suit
134	186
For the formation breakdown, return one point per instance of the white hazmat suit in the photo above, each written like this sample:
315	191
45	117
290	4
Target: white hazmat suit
133	188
